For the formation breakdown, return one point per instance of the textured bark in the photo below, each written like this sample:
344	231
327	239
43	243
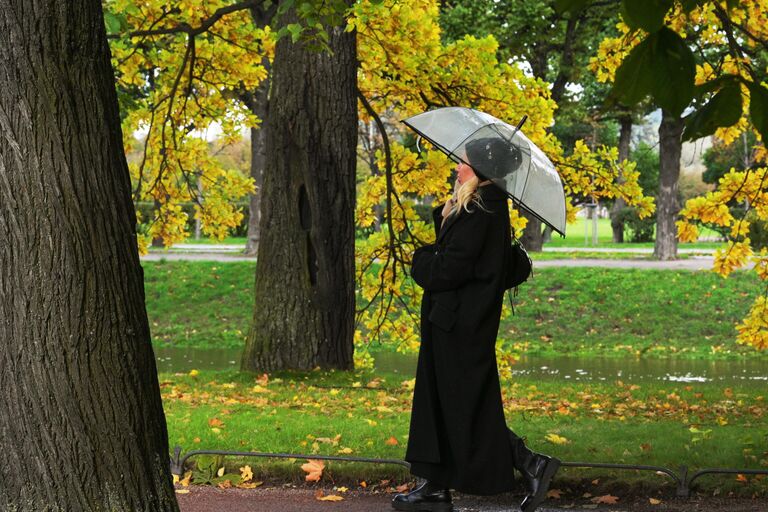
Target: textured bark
81	422
625	134
304	298
667	201
258	103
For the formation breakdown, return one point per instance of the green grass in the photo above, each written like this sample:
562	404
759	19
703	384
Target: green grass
304	413
199	304
574	311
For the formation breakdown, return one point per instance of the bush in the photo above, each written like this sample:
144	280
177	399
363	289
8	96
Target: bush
635	228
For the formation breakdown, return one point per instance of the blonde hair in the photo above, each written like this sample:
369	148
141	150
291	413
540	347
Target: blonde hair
466	193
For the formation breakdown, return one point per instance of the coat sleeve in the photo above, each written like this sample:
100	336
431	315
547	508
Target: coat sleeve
439	268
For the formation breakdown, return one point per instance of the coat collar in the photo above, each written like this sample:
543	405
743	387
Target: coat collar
488	193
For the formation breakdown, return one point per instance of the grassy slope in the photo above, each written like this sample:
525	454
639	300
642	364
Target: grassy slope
561	310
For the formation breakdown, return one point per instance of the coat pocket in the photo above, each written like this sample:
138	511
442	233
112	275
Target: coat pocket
444	309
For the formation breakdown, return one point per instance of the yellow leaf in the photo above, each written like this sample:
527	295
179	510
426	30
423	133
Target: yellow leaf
331	497
654	501
556	439
220	472
249	485
194	373
187	478
182	491
314	469
246	474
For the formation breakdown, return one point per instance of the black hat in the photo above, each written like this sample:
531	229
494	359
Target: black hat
493	157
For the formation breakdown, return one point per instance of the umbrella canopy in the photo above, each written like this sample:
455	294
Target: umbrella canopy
499	152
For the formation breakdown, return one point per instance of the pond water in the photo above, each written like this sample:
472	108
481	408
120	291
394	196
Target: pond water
752	373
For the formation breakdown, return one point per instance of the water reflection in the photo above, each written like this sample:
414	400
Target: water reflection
743	372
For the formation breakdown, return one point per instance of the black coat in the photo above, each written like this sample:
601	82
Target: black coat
458	435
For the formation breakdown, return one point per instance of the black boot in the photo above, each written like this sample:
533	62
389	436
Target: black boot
537	470
428	497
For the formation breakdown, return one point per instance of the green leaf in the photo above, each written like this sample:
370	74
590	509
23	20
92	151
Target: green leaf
113	23
715	84
661	65
758	108
634	77
295	30
724	109
646	14
675	72
562	6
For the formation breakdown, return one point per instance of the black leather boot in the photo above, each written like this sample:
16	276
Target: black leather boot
428	497
537	470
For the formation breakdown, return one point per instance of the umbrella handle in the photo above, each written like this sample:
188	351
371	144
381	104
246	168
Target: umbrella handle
520	124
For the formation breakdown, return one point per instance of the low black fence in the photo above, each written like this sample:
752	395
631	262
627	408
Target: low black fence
680	477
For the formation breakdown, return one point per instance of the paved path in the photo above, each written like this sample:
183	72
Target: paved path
692	263
303	499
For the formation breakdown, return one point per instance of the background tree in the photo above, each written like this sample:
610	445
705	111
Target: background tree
305	293
655	58
82	423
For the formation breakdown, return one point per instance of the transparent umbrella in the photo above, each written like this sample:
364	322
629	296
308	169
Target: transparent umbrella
498	152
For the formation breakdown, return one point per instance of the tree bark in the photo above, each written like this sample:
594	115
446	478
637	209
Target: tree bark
304	294
258	104
625	135
82	425
532	239
667	201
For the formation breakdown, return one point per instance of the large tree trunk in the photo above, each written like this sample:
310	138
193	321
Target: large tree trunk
625	135
305	296
82	426
667	201
258	103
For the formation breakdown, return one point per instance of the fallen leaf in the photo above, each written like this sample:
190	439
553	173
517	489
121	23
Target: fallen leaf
402	488
194	373
554	494
595	481
331	497
556	439
249	485
263	379
741	478
187	478
196	440
342	489
175	478
606	498
645	447
226	484
314	469
182	491
246	473
215	422
363	484
220	472
392	441
654	501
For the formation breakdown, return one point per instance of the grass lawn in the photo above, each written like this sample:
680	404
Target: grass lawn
574	311
367	415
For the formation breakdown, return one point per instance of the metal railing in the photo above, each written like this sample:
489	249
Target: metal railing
680	477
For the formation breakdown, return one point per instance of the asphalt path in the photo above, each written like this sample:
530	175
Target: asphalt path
213	253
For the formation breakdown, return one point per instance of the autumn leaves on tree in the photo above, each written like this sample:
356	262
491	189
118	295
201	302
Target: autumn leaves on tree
184	68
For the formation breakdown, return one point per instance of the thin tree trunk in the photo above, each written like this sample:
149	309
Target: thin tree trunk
259	105
305	297
82	425
625	135
667	201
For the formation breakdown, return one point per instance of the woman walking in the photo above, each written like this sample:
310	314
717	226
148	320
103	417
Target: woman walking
458	436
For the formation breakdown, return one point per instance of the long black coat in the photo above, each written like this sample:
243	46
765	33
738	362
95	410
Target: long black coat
458	435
